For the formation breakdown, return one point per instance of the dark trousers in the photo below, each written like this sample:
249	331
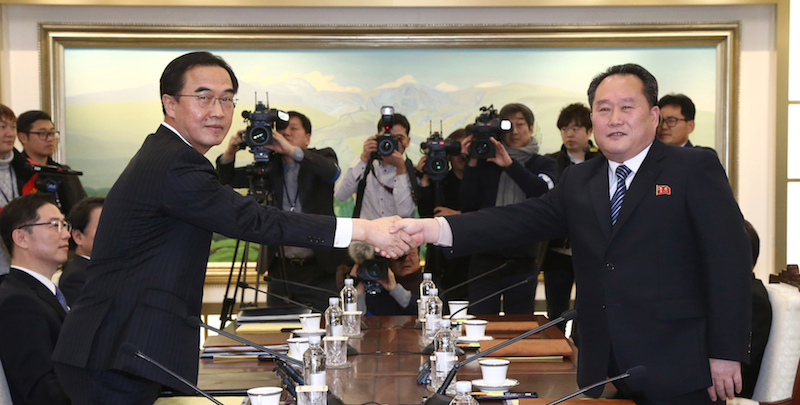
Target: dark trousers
558	280
519	300
310	274
112	387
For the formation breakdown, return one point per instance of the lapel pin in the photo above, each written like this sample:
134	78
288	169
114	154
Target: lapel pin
663	190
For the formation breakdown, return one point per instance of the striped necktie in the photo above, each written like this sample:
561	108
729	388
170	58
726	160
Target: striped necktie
61	299
616	202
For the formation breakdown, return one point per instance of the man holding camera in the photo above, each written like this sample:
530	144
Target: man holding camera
397	293
515	173
384	182
302	181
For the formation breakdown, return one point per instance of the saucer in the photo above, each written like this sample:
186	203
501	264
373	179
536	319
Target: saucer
466	339
504	387
307	333
458	317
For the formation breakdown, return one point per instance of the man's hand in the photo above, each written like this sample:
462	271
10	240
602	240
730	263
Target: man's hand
442	211
396	159
424	181
501	157
359	286
424	230
378	233
390	283
471	161
281	145
233	146
370	145
726	376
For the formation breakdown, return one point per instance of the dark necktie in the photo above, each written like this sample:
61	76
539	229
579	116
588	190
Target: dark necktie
616	202
61	299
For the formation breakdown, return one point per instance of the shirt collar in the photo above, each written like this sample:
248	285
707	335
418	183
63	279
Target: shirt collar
176	133
633	163
42	279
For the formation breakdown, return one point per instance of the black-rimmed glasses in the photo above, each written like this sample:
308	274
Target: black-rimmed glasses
671	121
57	224
45	135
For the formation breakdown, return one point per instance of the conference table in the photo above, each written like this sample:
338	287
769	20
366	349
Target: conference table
389	358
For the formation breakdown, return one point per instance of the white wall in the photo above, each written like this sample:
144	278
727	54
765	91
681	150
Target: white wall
19	84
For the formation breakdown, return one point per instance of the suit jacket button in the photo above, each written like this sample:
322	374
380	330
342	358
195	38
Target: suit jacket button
604	306
610	266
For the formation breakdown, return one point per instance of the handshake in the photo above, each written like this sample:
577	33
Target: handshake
394	236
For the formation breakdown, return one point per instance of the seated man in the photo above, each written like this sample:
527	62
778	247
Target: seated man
398	294
32	309
84	218
39	138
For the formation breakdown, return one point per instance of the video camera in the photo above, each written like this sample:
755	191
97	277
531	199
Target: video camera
487	125
258	133
437	149
370	271
387	143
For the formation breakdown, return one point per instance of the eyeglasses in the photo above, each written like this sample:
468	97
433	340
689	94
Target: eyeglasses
56	224
227	103
671	121
45	135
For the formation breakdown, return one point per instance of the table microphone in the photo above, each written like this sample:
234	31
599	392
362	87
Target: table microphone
130	349
271	279
634	373
242	284
484	274
439	398
527	280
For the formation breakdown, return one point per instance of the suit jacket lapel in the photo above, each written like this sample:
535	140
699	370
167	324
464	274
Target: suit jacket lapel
40	290
600	200
642	184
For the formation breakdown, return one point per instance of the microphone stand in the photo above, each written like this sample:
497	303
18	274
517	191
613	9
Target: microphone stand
633	373
271	279
242	284
527	280
484	274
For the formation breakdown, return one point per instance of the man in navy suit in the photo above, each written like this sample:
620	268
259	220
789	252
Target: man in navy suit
151	248
661	259
34	230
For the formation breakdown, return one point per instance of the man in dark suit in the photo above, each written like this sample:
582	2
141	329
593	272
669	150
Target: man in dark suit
152	244
301	180
662	262
37	236
677	120
84	218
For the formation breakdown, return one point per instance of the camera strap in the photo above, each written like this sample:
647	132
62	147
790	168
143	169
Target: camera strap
362	185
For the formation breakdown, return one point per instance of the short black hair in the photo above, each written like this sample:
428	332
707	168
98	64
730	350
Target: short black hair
649	82
458	135
174	77
25	120
398	119
512	109
7	113
577	113
81	213
21	211
303	119
680	100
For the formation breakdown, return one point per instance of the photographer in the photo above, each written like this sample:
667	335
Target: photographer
384	185
516	173
398	293
302	181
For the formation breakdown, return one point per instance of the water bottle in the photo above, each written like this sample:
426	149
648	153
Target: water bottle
433	313
314	362
424	290
464	394
349	296
334	325
444	348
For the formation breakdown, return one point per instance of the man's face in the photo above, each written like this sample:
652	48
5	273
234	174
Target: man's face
623	122
677	135
44	243
406	266
39	141
85	240
296	134
8	134
575	137
521	132
401	134
201	127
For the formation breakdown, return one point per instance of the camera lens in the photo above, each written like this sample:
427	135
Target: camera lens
386	147
482	148
438	165
259	136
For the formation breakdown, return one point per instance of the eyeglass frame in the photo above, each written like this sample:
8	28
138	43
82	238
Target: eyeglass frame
214	100
45	135
59	223
666	120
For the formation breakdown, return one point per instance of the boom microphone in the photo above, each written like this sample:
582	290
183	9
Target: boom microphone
52	170
310	287
634	373
527	280
484	274
130	349
242	284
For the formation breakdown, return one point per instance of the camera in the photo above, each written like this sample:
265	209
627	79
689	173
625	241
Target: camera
258	133
370	271
387	143
487	125
437	149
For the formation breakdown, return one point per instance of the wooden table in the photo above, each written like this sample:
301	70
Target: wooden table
386	369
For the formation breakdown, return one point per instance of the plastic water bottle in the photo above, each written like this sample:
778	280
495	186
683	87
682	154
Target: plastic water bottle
349	296
314	362
464	394
334	325
433	313
424	290
444	348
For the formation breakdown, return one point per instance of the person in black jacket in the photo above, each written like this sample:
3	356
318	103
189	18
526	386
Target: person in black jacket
516	173
84	218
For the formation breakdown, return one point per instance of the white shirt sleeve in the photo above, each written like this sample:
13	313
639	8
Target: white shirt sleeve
403	202
445	233
344	233
348	184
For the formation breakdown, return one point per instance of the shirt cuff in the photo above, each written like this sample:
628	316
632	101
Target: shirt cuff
445	233
344	232
298	154
224	161
401	295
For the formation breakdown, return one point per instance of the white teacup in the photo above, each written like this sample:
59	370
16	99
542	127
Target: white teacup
457	306
310	322
265	395
475	328
297	346
494	371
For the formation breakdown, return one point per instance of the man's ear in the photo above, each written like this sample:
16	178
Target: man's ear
21	136
21	238
169	102
690	124
77	236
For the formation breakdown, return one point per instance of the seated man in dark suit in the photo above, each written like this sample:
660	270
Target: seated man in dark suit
32	309
84	218
398	293
39	138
